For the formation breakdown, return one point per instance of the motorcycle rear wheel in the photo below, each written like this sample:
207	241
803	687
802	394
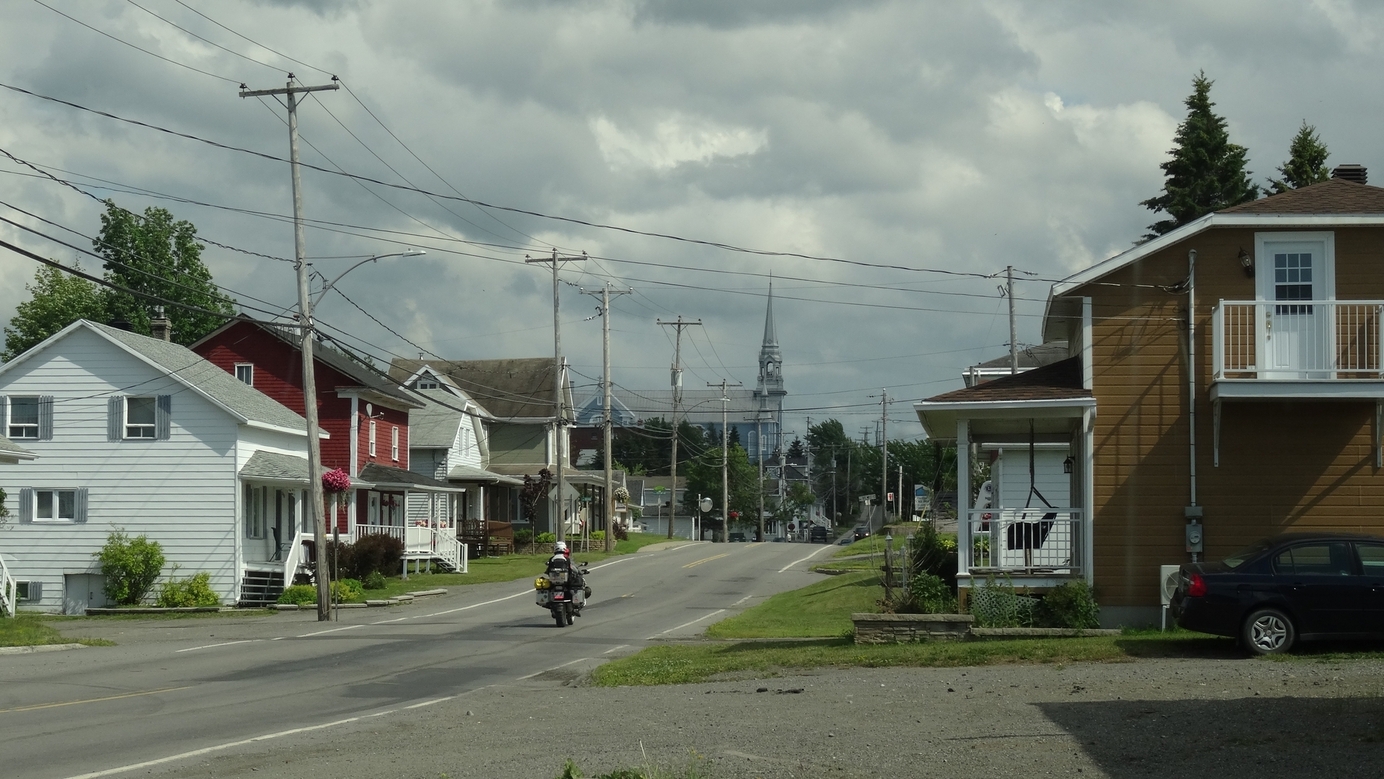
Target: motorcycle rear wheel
559	617
568	612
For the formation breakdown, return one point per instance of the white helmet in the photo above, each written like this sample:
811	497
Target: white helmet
559	547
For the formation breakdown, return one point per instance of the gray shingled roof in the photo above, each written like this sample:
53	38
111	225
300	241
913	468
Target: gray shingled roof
435	425
187	365
8	447
278	467
474	474
385	475
510	389
1329	197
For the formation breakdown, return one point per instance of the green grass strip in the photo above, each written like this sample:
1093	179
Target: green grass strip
819	610
33	630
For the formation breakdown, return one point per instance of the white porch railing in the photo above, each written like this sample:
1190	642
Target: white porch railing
1026	540
1327	340
9	590
422	542
295	556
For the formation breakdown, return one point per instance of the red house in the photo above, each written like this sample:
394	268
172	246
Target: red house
366	414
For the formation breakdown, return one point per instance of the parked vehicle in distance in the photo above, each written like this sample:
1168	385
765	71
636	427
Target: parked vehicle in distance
737	536
818	535
1290	588
860	531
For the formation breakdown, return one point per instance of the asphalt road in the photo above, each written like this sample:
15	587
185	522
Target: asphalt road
175	691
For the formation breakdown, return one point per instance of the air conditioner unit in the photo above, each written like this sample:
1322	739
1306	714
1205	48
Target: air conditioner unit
1169	577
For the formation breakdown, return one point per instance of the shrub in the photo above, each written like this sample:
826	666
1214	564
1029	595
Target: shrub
545	538
341	559
345	590
300	594
598	535
924	594
621	532
932	553
374	581
1072	605
130	565
997	605
523	537
377	552
193	591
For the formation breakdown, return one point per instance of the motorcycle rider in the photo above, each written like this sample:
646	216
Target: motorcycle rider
562	561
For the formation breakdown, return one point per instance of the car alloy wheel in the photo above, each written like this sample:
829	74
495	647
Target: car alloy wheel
1269	632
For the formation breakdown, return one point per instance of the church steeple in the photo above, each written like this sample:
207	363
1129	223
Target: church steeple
770	357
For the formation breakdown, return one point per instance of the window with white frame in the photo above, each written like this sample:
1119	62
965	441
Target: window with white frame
55	505
372	438
24	417
245	373
394	443
141	417
426	383
256	510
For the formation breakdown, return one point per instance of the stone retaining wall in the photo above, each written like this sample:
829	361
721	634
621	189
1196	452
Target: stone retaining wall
906	628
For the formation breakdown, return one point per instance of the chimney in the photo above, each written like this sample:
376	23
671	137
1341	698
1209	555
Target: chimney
121	323
160	327
1354	173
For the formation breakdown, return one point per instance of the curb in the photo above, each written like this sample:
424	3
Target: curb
26	650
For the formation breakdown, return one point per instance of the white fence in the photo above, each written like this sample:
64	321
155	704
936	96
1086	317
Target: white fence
1047	539
421	542
1308	339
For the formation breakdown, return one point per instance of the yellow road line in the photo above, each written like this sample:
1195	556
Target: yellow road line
93	700
707	559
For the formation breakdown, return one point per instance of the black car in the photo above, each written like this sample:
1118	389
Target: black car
861	531
737	537
818	535
1293	587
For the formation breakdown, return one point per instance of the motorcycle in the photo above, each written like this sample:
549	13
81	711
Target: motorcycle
562	590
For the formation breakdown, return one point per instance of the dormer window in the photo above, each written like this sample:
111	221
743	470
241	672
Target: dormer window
425	383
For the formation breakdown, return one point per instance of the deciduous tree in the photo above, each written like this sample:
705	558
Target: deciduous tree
57	300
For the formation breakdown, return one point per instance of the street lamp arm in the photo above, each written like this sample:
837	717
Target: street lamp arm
329	285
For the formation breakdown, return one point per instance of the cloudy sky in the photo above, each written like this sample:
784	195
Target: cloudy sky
881	159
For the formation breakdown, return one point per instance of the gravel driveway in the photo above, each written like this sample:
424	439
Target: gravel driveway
1151	718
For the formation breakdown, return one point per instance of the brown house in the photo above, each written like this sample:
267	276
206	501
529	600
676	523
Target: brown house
1276	426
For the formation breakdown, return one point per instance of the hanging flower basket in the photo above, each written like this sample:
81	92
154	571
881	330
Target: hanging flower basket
336	481
622	495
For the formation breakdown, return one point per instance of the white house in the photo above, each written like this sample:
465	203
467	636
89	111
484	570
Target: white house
143	435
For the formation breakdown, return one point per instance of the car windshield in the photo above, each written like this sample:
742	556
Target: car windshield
1238	559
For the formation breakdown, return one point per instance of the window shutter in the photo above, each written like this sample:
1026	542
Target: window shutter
163	413
80	513
4	417
26	504
35	592
45	418
115	417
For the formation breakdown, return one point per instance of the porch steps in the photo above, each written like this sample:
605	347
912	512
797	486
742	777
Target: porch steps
260	589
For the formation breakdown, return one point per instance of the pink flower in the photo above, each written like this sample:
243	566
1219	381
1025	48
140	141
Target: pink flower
336	481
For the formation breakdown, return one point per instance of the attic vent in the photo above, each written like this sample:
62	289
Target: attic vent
1355	173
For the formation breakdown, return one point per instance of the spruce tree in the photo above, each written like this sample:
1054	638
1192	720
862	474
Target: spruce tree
1306	163
1206	172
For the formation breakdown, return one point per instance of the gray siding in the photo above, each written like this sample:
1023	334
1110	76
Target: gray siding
181	492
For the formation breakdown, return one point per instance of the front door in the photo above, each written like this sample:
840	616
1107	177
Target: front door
81	591
1295	335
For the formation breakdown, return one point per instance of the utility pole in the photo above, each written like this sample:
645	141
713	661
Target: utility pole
725	459
605	387
761	416
559	501
676	381
884	454
319	529
1013	333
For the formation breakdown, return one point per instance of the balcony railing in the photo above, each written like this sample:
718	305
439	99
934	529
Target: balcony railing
423	542
1318	340
1033	540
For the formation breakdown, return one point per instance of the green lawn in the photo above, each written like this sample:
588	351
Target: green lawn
33	630
822	609
689	664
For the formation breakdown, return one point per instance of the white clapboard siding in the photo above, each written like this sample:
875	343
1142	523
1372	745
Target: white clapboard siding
181	492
